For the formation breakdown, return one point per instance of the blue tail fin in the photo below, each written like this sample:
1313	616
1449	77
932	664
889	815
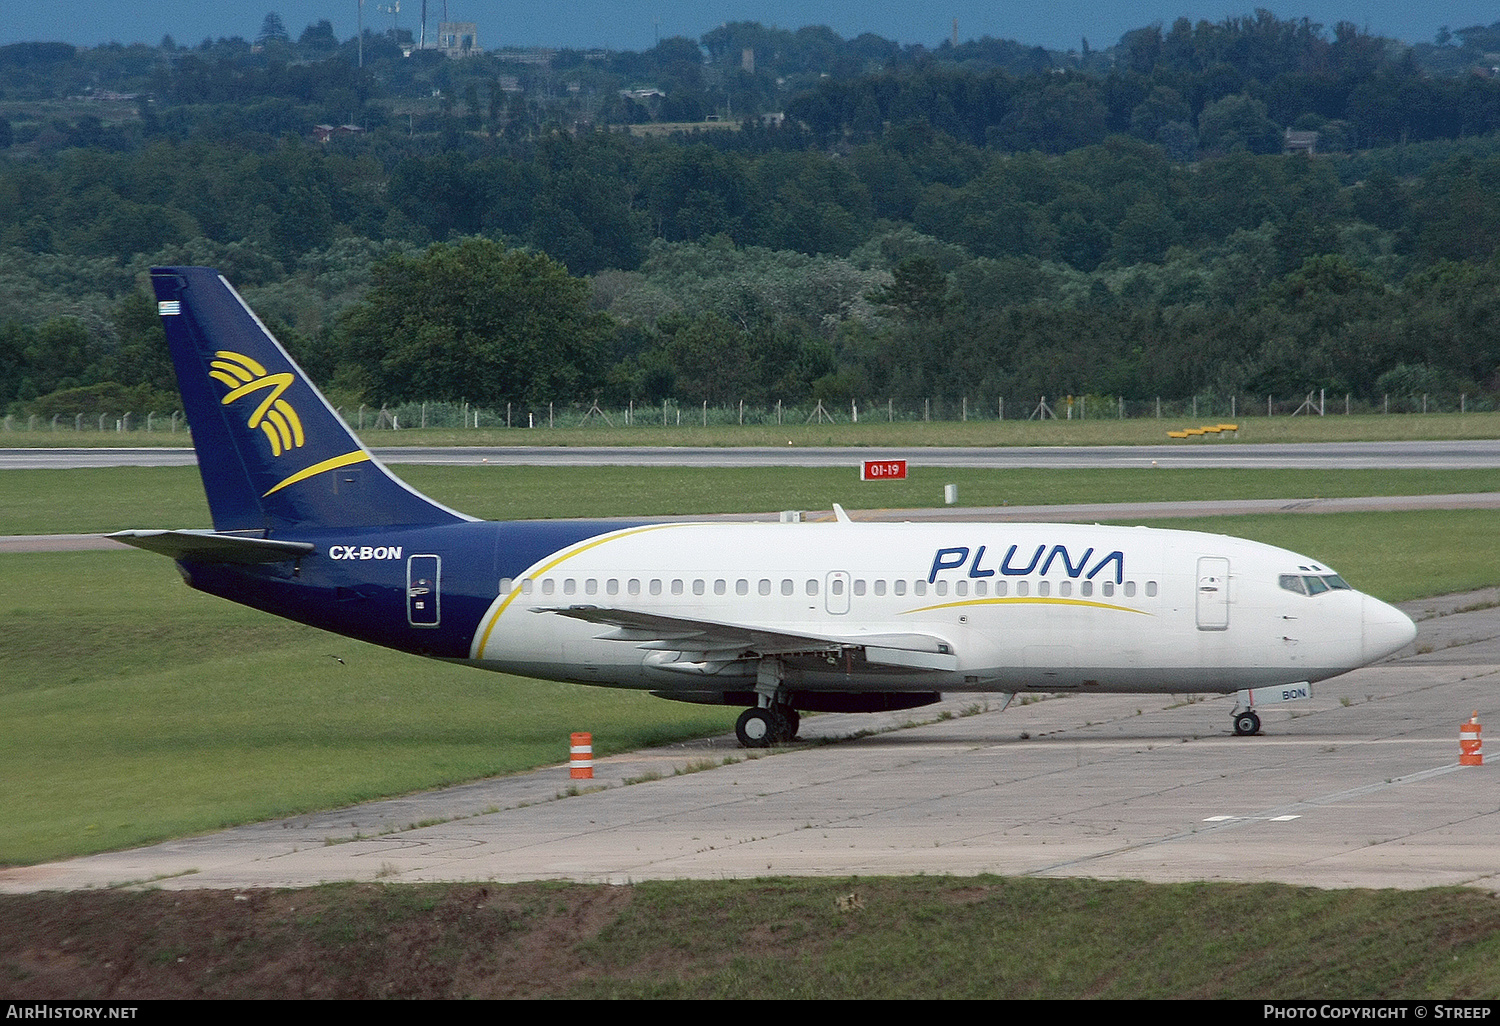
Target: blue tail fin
272	452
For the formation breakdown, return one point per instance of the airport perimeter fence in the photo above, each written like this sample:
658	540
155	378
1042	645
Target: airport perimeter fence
671	413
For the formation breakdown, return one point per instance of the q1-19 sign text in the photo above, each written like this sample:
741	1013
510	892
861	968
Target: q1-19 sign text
882	470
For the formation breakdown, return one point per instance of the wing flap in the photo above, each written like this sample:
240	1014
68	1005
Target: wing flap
700	640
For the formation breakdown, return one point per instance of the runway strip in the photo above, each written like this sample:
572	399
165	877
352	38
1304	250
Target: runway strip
1357	787
1451	455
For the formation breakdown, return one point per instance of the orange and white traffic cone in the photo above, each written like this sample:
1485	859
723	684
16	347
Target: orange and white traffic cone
1470	746
581	761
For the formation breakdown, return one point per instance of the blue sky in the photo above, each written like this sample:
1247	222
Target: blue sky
634	24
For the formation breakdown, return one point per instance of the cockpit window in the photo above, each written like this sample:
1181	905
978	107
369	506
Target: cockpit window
1308	584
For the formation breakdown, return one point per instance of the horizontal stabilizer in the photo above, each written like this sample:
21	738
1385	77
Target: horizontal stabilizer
209	547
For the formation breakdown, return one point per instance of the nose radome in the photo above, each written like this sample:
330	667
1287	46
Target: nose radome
1384	629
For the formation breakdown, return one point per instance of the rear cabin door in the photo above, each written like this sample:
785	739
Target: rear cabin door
1213	593
422	580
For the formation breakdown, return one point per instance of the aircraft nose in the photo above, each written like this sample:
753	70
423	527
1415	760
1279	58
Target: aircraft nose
1384	629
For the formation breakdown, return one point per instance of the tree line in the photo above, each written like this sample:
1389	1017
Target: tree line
941	221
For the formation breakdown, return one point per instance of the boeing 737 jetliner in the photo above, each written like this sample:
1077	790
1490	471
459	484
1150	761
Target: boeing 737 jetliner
780	618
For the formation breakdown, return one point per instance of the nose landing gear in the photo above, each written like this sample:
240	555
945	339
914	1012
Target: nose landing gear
1246	723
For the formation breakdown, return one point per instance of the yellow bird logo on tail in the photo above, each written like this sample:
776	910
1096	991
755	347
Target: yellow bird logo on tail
274	415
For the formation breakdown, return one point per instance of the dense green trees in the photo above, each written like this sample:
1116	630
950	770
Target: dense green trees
982	219
474	321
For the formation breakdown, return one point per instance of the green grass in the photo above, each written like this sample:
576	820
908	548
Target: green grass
1004	938
872	431
851	938
1395	556
871	937
137	709
113	499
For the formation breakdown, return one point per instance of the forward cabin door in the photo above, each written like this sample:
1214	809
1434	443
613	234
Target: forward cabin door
1213	593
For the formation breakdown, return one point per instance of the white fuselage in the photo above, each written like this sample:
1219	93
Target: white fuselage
1007	607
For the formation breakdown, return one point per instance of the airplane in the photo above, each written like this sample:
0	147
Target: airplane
781	618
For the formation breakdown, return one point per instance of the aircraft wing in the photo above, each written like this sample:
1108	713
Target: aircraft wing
710	640
211	547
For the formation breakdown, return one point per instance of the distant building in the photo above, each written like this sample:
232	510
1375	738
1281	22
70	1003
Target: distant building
458	38
1300	142
325	132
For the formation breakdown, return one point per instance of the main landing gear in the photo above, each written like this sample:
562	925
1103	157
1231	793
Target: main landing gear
763	727
772	721
1246	723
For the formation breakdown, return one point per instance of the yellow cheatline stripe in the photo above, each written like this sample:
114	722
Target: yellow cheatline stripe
1027	601
566	554
348	459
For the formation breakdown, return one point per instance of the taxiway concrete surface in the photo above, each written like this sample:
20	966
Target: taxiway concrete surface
1358	787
